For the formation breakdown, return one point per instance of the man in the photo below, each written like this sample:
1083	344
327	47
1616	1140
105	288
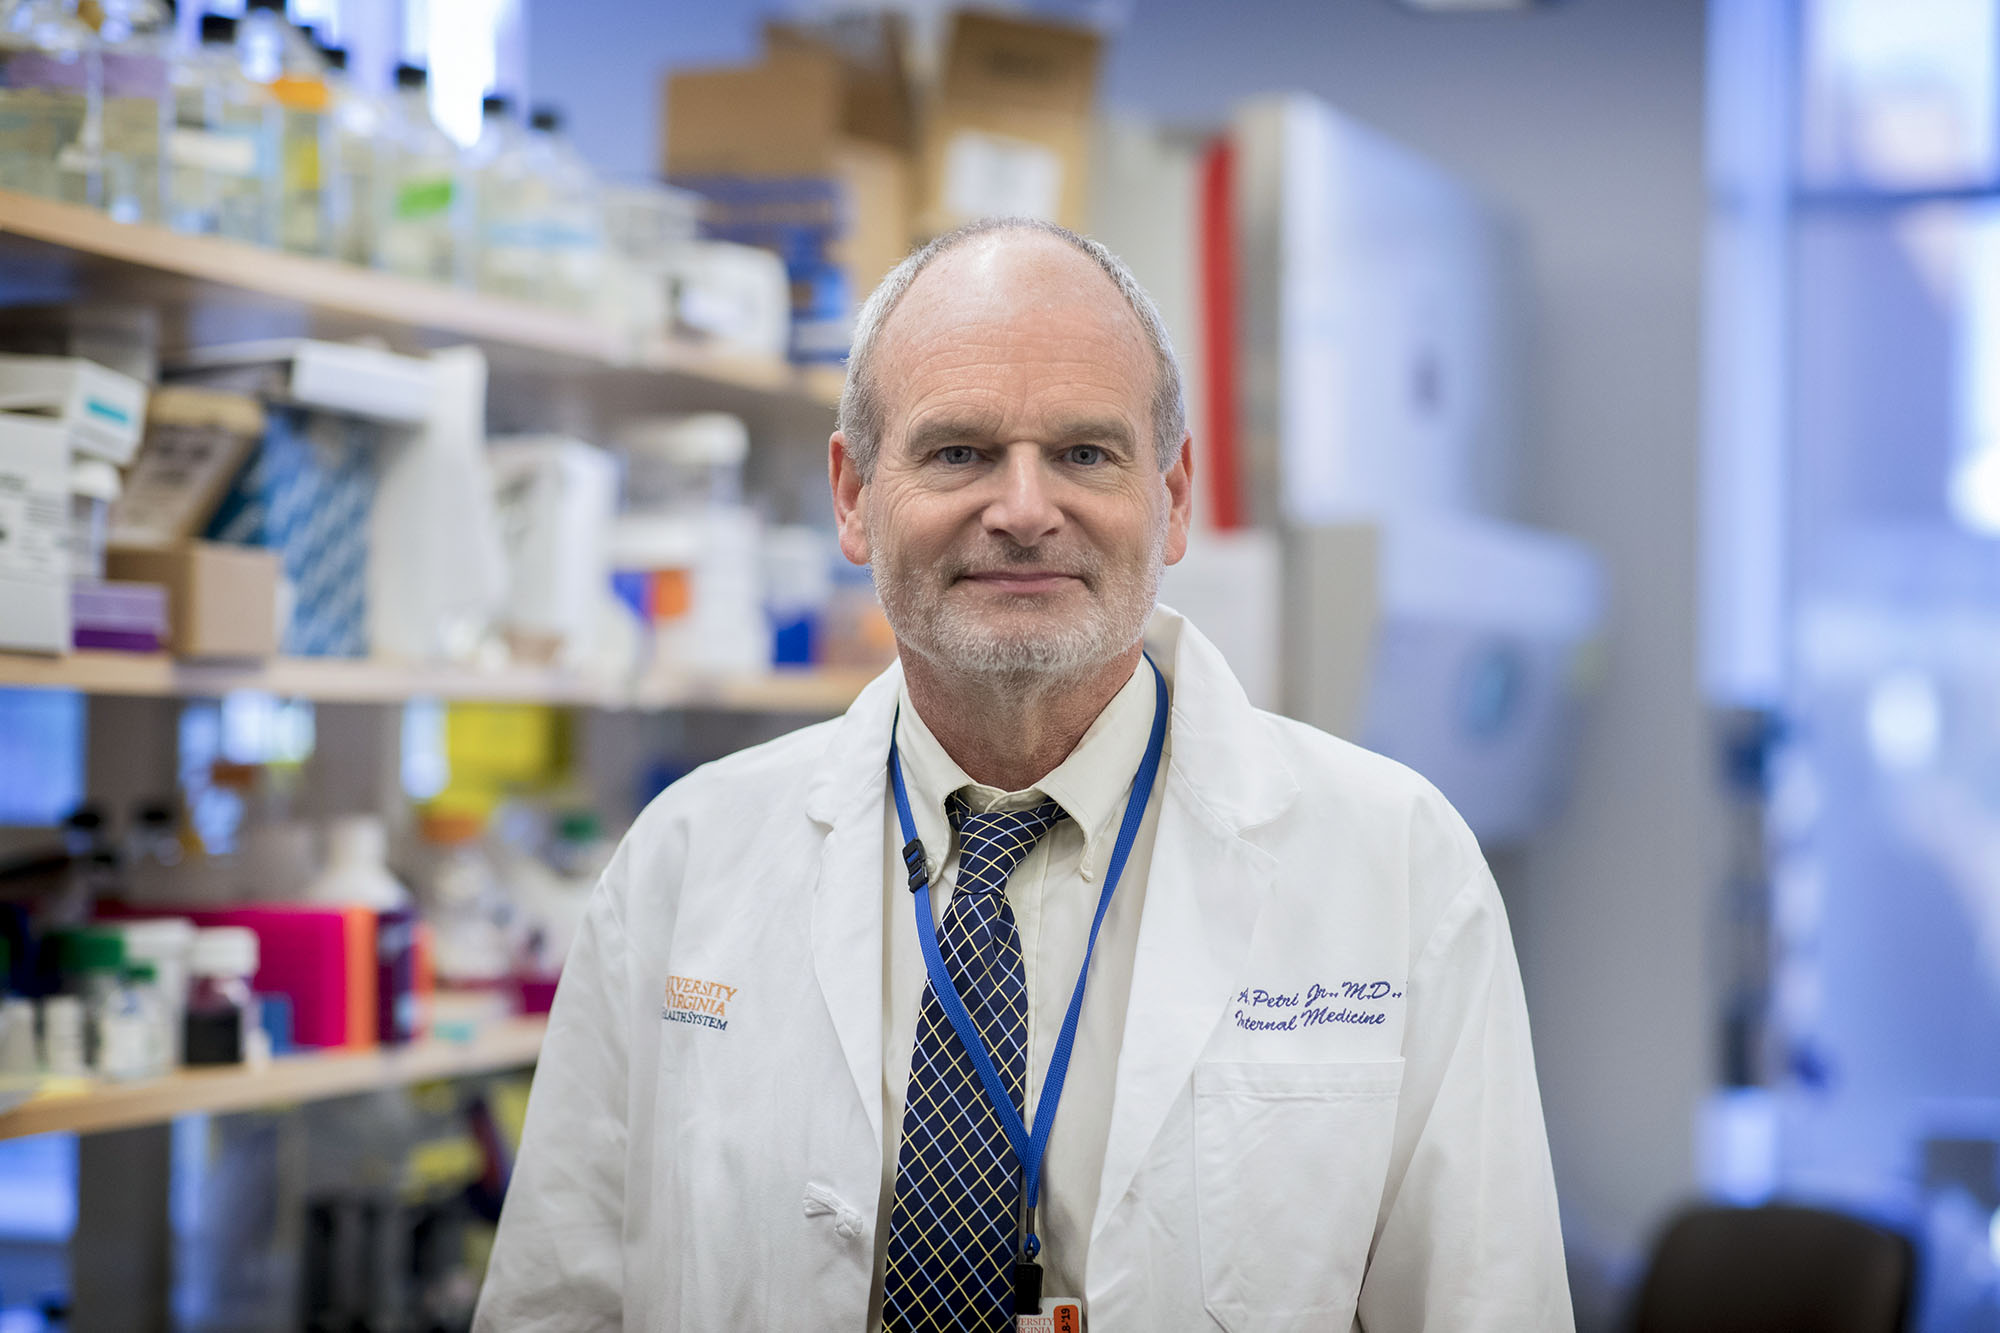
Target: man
1293	1087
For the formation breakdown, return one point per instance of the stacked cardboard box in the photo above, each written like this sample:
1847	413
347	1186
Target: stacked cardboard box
822	153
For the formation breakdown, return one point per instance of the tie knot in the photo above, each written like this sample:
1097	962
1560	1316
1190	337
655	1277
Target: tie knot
992	842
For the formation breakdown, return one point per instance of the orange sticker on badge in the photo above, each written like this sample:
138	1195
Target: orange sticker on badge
1060	1314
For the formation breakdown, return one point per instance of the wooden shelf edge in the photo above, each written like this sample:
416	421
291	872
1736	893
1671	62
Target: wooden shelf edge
512	1044
338	680
386	299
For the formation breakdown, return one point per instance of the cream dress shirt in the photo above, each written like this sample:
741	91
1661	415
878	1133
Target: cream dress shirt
1054	894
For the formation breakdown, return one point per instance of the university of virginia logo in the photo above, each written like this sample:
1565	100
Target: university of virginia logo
704	1003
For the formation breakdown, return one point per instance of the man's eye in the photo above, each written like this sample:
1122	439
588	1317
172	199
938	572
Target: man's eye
1086	455
957	455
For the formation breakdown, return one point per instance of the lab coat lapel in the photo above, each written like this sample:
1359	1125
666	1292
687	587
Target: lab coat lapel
847	795
1205	888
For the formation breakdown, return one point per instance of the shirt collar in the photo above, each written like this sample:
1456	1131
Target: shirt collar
1091	784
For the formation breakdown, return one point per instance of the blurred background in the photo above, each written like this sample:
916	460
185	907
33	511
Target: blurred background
412	459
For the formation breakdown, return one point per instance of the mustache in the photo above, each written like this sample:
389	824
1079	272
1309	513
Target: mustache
1009	555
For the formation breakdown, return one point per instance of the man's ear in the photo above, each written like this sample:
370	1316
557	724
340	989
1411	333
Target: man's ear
848	484
1180	501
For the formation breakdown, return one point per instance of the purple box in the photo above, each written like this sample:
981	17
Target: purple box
120	617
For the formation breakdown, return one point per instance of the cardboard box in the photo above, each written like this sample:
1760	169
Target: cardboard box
1008	132
196	442
222	600
102	410
812	119
34	535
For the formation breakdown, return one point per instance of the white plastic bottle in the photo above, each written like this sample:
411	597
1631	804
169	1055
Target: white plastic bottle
416	235
64	1049
357	871
49	87
131	1036
572	240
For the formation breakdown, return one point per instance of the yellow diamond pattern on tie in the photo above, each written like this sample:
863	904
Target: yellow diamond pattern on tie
954	1223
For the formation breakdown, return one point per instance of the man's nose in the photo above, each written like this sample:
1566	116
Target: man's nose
1024	506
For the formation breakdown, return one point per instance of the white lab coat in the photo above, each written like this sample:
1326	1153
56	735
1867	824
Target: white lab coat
705	1153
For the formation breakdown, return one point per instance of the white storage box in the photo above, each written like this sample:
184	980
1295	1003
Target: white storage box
34	535
102	411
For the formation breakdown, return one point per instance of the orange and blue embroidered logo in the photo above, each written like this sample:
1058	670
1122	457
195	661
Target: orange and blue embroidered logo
703	1003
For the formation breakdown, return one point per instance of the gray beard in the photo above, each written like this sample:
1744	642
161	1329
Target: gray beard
925	622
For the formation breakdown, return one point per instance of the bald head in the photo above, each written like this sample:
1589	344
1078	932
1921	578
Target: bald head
998	268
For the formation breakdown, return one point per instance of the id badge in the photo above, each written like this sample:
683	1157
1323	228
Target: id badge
1060	1314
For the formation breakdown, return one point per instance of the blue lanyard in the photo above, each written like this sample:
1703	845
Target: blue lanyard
1028	1148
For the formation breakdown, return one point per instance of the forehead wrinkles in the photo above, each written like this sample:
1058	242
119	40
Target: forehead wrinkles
999	346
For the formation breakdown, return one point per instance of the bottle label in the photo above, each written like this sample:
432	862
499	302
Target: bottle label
425	197
207	150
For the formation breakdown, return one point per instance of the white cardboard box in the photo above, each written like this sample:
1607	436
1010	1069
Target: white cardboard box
34	527
337	377
103	411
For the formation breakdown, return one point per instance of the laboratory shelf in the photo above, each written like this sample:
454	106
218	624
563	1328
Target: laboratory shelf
360	680
204	290
86	1107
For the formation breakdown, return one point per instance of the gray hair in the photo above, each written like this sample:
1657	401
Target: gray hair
861	409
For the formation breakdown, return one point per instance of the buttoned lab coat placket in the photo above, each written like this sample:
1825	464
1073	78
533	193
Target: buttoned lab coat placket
1324	1115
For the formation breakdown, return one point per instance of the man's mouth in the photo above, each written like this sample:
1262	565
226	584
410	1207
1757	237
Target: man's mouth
1020	582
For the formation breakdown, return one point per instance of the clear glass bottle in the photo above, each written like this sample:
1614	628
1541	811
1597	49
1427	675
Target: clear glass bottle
573	227
356	126
135	55
217	148
49	84
282	61
509	205
415	233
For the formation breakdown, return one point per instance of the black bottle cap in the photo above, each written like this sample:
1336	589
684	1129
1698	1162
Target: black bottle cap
496	104
335	56
271	6
546	118
412	76
217	29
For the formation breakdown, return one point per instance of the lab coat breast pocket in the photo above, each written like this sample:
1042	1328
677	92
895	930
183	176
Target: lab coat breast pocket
1289	1165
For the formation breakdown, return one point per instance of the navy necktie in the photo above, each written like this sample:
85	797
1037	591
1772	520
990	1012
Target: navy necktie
955	1220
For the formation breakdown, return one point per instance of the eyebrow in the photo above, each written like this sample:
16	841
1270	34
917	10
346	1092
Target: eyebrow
942	431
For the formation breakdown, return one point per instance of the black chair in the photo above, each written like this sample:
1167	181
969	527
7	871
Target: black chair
1777	1269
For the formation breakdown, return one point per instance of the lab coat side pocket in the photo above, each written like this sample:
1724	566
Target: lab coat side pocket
1289	1165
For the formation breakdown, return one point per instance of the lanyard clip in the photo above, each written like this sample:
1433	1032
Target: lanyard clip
913	857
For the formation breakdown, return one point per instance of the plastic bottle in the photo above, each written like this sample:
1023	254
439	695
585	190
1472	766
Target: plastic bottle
572	240
509	204
221	1024
17	1022
49	111
467	909
166	945
135	54
216	152
283	62
415	233
93	966
357	870
65	1052
356	126
131	1040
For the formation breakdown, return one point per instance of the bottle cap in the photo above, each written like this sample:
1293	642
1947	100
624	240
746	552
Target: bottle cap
218	29
546	119
85	817
150	814
578	826
92	950
335	56
224	951
412	76
496	104
271	6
